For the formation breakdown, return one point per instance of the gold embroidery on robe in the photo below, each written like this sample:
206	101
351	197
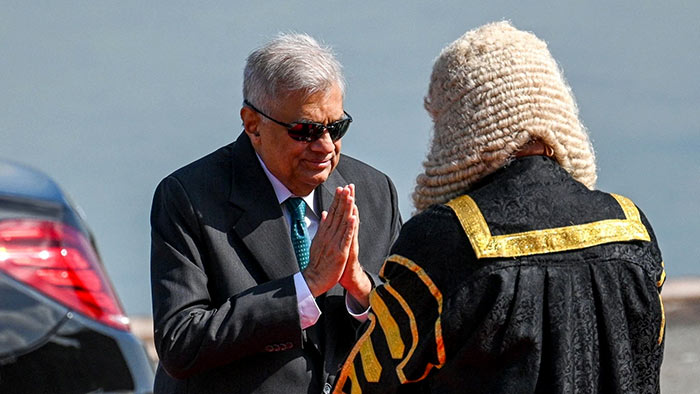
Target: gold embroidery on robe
548	240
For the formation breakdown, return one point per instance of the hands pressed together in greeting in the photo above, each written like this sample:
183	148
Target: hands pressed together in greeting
334	253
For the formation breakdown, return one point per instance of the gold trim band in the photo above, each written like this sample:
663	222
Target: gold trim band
370	364
435	292
388	325
548	240
414	334
663	321
348	369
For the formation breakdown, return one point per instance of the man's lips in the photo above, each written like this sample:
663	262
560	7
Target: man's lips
322	163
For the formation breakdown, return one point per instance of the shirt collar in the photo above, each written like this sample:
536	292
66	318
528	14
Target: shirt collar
282	192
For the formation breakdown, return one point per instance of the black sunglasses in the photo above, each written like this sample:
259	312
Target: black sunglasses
310	131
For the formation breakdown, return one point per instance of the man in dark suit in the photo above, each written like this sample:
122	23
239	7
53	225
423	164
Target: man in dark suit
260	268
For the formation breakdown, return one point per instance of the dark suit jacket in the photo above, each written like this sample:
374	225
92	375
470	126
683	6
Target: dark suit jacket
222	265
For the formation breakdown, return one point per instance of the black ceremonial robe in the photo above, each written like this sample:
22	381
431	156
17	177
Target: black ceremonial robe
529	283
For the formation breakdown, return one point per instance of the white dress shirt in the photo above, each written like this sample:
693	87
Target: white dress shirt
309	311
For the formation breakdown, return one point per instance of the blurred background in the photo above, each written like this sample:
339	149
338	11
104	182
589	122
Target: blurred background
110	97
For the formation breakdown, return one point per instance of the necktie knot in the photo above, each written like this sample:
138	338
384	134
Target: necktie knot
296	207
300	236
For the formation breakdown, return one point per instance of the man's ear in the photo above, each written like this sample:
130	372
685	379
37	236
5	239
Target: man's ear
251	121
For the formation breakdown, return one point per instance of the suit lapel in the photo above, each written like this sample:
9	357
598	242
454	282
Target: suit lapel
261	225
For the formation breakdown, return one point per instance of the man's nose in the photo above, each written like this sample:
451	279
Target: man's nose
324	143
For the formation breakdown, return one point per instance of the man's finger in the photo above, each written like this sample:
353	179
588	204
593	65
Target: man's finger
334	205
348	234
341	206
344	215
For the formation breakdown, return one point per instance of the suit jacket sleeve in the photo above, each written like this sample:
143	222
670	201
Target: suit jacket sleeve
396	223
192	332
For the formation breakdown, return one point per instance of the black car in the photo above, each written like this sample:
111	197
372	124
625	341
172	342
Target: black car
62	327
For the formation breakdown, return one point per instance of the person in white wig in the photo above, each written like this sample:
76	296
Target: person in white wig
515	275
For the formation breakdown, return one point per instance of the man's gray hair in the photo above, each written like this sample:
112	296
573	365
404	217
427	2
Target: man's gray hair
289	63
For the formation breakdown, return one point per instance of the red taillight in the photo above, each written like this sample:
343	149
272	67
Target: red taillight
57	260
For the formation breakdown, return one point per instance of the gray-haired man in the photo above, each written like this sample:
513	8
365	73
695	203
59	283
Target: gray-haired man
256	247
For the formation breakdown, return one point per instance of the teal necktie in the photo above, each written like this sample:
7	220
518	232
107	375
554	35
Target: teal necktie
300	236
